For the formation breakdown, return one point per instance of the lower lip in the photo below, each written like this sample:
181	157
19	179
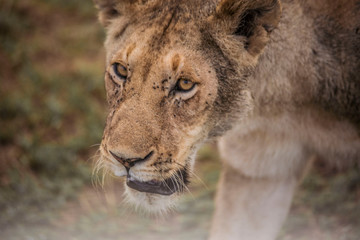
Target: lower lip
161	188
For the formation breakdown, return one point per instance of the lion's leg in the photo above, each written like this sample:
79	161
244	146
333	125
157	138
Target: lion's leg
250	209
261	171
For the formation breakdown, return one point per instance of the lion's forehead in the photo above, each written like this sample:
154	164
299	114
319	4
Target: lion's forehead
154	35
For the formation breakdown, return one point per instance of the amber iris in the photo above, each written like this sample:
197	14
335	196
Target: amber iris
184	84
120	70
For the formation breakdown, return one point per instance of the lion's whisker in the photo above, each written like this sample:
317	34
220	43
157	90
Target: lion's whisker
181	180
192	173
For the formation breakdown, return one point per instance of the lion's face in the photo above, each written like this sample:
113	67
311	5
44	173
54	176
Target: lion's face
170	85
160	103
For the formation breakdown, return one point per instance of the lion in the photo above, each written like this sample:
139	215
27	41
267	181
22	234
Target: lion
277	82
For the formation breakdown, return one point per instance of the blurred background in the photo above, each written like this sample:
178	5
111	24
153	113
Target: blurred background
52	113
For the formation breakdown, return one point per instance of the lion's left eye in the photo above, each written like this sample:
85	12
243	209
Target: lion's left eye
120	70
184	85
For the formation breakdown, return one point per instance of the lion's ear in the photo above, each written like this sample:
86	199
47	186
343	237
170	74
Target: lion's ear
110	9
253	19
107	10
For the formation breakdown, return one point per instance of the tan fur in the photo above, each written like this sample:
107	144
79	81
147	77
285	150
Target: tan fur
278	80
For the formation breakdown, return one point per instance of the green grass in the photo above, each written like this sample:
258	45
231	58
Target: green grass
52	104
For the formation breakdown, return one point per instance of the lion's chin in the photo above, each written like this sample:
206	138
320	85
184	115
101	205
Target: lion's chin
150	202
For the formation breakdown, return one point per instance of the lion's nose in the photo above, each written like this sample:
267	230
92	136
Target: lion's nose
130	162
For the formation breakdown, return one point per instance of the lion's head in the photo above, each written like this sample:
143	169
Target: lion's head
175	76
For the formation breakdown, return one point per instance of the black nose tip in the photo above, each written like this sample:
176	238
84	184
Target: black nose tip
130	162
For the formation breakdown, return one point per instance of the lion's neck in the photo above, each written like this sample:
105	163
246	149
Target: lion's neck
298	70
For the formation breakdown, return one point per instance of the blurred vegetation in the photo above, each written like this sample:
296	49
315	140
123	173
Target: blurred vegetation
51	101
326	205
52	113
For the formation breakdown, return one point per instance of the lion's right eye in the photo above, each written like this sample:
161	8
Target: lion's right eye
120	70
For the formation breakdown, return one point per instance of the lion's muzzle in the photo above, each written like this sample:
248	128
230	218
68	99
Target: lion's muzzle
167	186
130	162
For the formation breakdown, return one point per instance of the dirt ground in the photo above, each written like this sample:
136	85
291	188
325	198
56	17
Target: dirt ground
325	207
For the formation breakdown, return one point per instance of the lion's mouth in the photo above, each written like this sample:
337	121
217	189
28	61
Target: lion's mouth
166	187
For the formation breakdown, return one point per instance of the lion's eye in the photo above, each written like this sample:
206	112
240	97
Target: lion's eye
120	70
184	85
